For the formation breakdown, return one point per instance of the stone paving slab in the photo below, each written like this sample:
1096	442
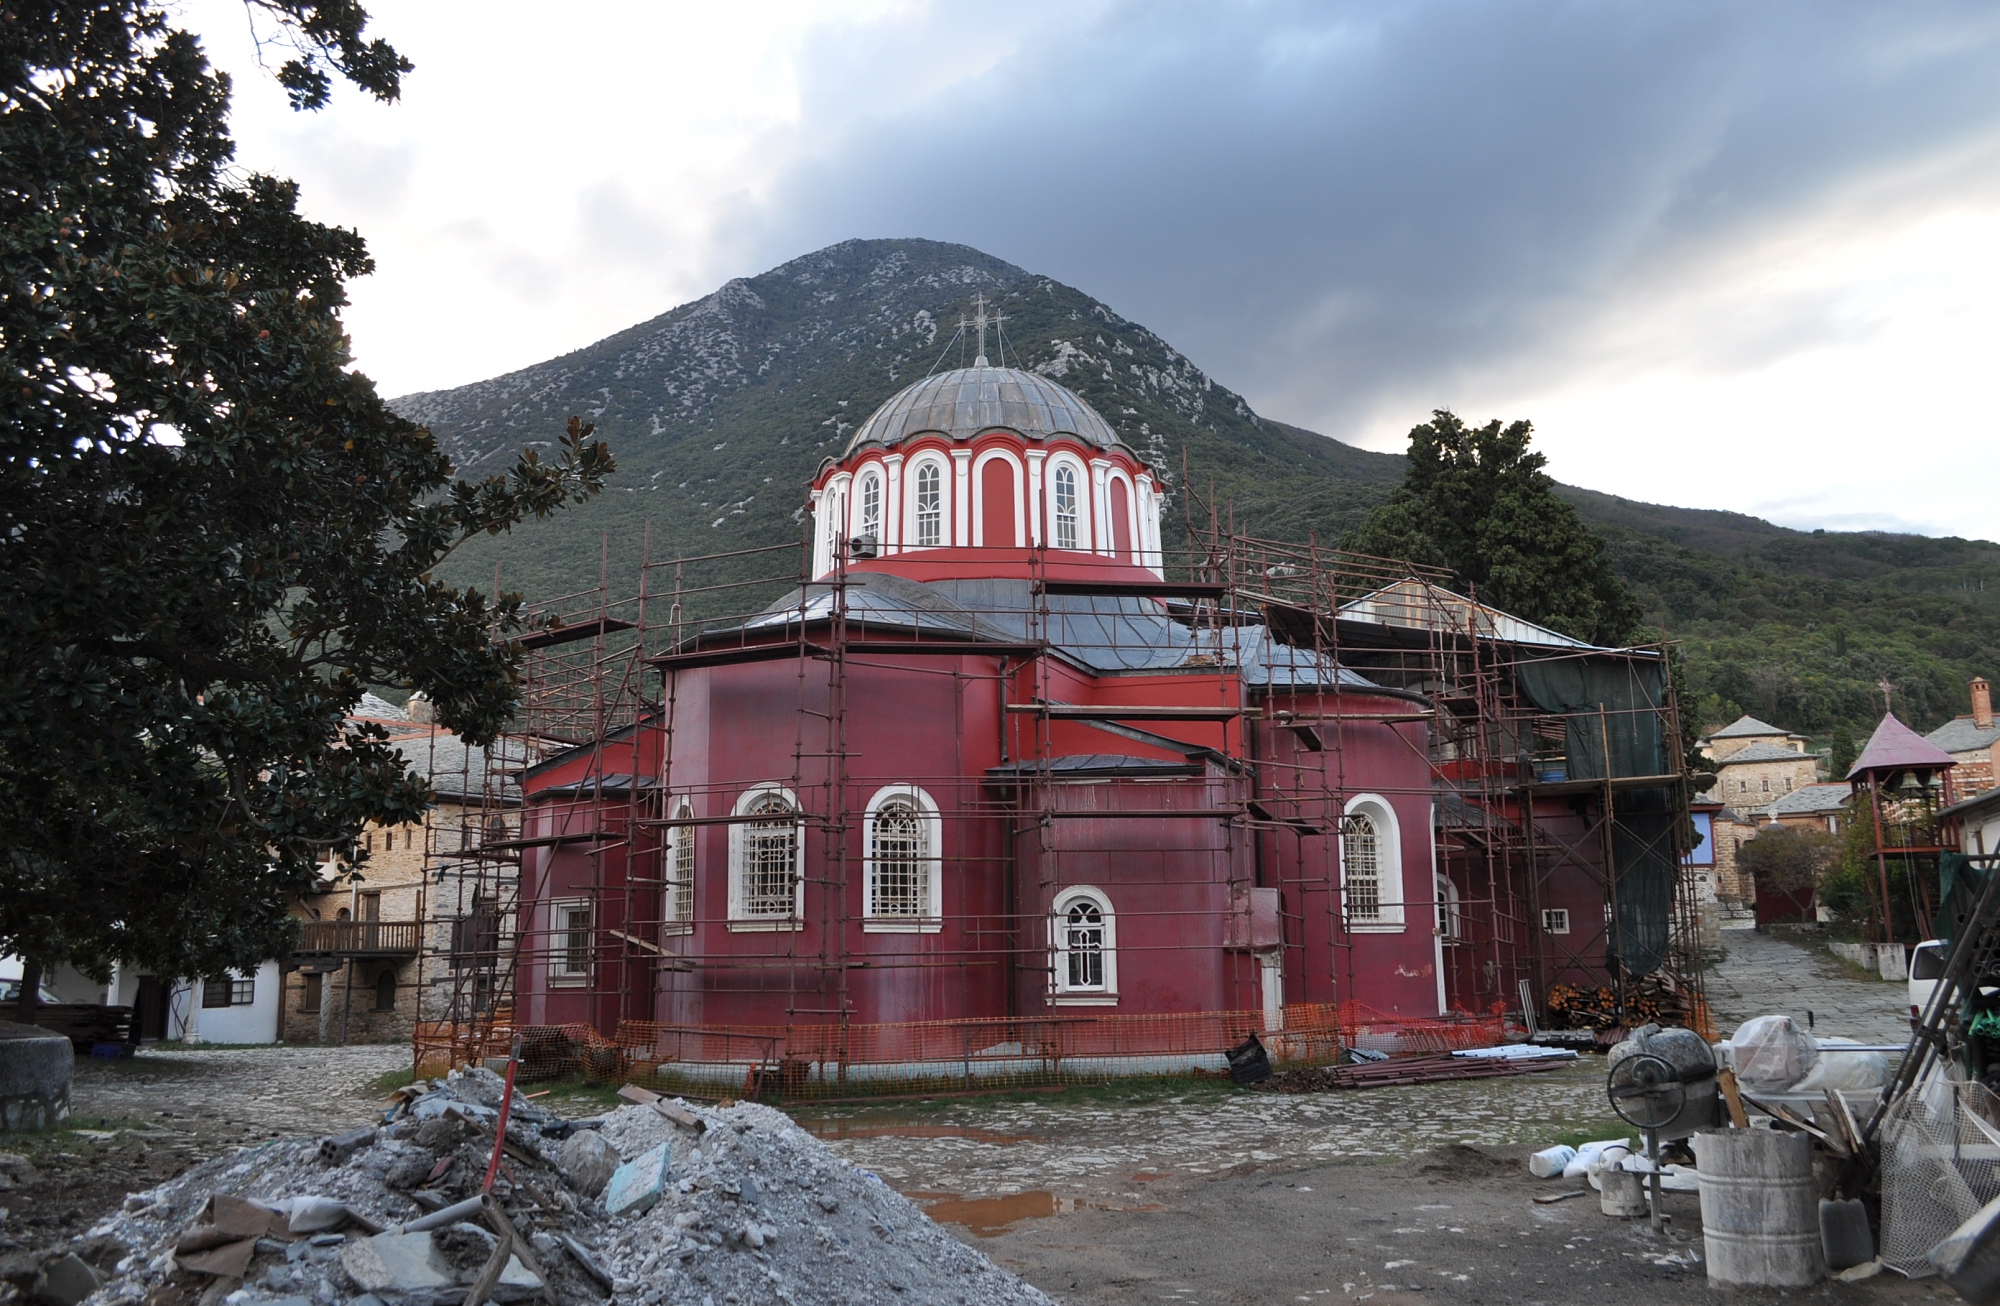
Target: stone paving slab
1763	974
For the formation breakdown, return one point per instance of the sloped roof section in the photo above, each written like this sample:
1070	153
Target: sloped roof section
1808	800
1416	604
1747	726
1896	747
1962	736
1763	753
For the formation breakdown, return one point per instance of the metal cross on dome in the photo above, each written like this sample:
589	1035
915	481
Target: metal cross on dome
979	323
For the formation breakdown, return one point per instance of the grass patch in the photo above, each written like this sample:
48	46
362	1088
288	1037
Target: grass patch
1609	1127
389	1081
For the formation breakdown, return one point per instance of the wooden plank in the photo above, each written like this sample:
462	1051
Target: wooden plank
1725	1079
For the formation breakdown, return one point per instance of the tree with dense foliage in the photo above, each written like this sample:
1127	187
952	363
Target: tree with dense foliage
213	533
1789	858
1476	501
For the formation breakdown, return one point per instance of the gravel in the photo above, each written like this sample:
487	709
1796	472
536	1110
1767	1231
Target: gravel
753	1210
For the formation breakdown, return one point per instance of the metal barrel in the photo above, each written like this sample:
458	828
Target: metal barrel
1759	1208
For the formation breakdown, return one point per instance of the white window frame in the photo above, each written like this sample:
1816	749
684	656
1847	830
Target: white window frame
1135	550
867	516
927	478
931	864
1079	533
1450	912
1388	863
1062	993
910	536
1555	920
741	920
679	871
562	973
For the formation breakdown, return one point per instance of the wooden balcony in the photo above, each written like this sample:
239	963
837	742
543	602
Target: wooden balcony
358	939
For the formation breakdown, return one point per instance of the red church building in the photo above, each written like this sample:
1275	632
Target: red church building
993	759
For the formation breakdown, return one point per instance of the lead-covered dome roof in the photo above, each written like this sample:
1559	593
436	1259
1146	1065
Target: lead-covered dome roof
963	403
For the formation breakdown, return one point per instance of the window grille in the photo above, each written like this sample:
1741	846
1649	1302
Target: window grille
680	870
228	992
770	859
572	941
930	507
1360	856
1065	500
1555	920
1083	945
871	507
902	882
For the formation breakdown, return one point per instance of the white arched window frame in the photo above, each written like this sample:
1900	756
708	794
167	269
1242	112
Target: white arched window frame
982	533
1083	948
903	863
1069	502
868	504
1450	917
677	912
927	491
763	854
1371	896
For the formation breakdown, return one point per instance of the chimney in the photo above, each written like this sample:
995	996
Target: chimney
1982	703
419	708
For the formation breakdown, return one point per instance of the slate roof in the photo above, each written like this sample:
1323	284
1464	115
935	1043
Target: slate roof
1962	736
1809	800
457	771
374	708
1763	753
1100	632
1747	725
1896	747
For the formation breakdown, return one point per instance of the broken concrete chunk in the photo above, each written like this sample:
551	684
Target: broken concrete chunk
635	1187
66	1281
338	1148
394	1262
587	1161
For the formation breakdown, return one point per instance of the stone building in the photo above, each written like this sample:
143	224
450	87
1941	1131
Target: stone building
1973	742
358	975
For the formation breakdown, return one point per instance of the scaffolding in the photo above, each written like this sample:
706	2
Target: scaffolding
1269	644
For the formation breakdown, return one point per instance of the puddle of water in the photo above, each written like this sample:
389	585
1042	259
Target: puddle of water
842	1129
989	1216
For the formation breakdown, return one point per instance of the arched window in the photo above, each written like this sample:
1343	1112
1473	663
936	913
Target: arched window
871	506
930	506
1451	922
679	906
1371	866
903	874
385	991
1361	859
766	861
1063	495
1086	947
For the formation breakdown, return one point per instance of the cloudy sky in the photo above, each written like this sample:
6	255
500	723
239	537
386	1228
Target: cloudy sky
1723	255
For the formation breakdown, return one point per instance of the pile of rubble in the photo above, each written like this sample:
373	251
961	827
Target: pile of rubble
657	1201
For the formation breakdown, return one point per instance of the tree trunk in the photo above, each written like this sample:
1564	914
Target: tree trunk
30	995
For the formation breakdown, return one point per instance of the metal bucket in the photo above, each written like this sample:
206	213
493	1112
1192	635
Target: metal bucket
1759	1208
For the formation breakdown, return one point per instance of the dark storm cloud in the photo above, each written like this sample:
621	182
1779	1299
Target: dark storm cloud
1327	204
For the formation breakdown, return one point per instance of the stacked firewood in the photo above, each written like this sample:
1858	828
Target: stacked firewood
1648	1000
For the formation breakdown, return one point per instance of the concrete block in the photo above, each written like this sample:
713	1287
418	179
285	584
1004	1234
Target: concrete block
66	1281
35	1069
636	1186
587	1161
395	1262
1892	962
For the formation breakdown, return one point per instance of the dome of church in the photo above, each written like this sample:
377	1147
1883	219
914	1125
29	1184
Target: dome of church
970	400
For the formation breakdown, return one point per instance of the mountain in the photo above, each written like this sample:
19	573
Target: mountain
720	411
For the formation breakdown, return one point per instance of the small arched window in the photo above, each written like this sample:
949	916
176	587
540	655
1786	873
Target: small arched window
1063	494
1086	947
903	868
1361	859
871	507
766	866
930	506
680	873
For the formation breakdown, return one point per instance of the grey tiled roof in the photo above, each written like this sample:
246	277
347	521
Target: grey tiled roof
459	772
1961	736
1747	725
1808	799
1763	753
378	709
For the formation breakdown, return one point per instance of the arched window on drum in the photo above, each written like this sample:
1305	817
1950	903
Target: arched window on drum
1064	506
930	506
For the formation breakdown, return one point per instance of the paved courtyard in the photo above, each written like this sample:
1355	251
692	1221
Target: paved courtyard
1765	974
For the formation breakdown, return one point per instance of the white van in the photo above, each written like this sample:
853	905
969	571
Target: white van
1926	969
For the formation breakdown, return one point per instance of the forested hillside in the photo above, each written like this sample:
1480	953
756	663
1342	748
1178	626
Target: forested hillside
720	411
